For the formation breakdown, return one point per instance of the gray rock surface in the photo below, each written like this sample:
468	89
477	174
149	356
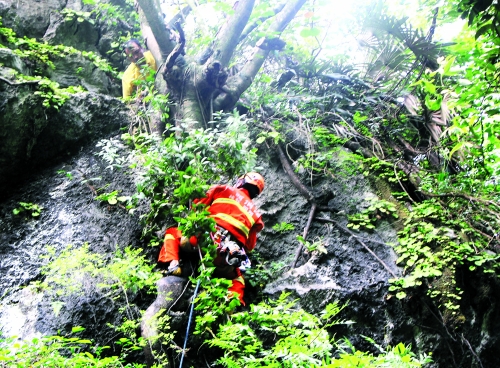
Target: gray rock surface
29	17
70	215
10	60
346	273
82	35
31	136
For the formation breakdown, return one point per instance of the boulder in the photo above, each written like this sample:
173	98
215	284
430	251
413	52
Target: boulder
31	137
81	34
29	17
8	59
76	70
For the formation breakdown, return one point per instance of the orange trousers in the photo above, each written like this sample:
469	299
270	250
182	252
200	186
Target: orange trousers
171	251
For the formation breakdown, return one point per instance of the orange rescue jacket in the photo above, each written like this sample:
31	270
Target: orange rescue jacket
232	209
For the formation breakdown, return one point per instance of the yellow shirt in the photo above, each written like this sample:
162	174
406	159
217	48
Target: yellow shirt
133	73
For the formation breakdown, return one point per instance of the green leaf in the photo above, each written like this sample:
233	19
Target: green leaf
429	87
77	329
310	32
56	307
401	295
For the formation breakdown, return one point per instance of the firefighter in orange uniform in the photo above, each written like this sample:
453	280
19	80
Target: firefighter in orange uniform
238	222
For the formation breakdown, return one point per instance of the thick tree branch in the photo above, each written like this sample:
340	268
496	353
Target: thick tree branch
295	180
238	84
155	21
250	27
228	36
178	49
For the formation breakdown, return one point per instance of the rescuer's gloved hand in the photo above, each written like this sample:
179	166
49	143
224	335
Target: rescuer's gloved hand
174	268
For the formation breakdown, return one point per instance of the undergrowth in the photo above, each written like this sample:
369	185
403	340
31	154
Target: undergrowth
272	333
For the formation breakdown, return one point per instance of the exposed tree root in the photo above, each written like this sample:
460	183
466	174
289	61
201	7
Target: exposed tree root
310	198
304	235
360	242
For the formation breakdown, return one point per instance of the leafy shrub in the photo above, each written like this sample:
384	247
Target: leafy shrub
57	351
33	209
283	227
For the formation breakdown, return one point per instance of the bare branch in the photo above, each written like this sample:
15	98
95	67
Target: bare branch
228	36
155	21
249	28
238	84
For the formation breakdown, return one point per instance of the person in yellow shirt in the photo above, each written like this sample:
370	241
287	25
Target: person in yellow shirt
137	57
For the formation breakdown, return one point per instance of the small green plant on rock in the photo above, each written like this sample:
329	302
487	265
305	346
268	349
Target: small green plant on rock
367	219
68	174
32	209
262	272
274	136
317	245
53	96
432	245
283	227
383	169
112	197
58	351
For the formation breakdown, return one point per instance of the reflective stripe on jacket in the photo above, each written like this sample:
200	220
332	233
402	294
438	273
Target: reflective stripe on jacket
232	209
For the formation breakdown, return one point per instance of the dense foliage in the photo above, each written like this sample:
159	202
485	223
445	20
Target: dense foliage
420	115
423	114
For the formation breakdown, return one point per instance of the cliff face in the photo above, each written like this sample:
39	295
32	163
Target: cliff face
51	155
70	216
345	270
31	18
32	134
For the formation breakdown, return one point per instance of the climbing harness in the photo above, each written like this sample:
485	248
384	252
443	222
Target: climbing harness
232	253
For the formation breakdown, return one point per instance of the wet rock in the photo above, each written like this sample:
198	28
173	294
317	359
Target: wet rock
347	272
10	60
29	17
70	215
32	137
75	70
80	34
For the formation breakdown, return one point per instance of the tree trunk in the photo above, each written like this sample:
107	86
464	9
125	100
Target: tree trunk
193	85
